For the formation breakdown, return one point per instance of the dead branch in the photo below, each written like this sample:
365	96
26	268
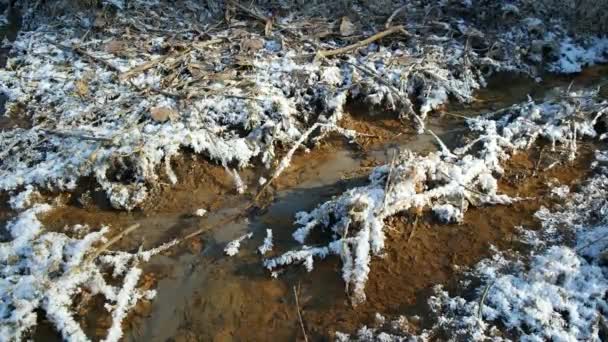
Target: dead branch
150	64
390	19
483	299
364	42
80	51
76	135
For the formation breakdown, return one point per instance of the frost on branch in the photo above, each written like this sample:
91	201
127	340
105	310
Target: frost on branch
563	120
443	182
45	271
267	245
557	293
356	218
232	248
120	105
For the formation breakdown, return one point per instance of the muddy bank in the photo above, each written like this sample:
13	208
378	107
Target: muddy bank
132	107
204	295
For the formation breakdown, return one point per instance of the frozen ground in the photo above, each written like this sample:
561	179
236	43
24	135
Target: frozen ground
115	94
556	293
107	96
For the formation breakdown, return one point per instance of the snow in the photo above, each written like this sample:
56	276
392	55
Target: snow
448	213
232	248
200	212
236	122
555	293
561	191
44	270
24	198
267	245
89	121
573	56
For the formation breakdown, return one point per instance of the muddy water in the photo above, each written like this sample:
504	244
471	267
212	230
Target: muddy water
205	296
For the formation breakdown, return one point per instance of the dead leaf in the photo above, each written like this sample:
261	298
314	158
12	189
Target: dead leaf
162	113
252	44
347	28
82	87
115	47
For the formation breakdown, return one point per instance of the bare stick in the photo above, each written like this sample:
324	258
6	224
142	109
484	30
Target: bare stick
76	135
390	19
295	294
483	299
223	222
362	43
110	242
413	228
150	64
84	53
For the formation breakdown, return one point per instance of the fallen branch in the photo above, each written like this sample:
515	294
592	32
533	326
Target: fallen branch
390	19
76	135
364	42
82	52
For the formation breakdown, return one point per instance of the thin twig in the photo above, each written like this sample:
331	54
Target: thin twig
483	299
540	159
601	238
414	224
84	53
110	242
295	294
76	135
390	19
